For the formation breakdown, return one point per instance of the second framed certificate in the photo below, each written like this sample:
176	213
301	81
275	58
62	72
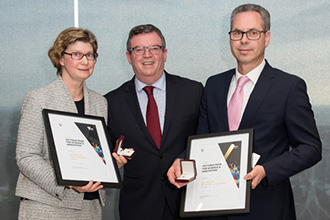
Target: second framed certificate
222	160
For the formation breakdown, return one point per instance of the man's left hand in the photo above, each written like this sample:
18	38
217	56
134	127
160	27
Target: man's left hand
256	175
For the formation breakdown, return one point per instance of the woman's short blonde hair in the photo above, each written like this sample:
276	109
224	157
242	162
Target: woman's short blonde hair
64	39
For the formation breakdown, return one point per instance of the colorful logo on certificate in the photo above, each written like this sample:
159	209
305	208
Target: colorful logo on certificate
232	152
90	132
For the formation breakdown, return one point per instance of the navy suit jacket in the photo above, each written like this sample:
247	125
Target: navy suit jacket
145	184
285	135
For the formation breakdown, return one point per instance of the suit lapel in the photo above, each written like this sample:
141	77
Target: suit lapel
63	99
171	97
88	106
261	89
222	104
134	106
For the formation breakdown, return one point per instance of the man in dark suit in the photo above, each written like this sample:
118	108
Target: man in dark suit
146	192
275	104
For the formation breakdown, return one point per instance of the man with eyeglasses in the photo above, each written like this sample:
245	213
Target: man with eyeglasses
274	103
146	192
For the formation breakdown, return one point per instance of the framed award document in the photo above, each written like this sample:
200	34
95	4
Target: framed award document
80	149
222	160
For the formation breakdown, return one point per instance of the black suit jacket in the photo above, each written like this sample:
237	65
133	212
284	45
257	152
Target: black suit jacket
285	134
145	184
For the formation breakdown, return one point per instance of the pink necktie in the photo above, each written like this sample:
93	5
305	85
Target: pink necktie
235	104
153	124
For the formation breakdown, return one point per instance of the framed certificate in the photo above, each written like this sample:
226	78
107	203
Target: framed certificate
222	160
80	149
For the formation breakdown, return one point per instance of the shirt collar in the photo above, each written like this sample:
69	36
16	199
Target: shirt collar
254	74
160	83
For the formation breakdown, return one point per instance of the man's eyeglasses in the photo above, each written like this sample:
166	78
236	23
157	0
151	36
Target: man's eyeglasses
140	50
251	34
79	56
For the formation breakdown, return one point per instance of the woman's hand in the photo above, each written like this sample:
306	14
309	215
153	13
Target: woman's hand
90	187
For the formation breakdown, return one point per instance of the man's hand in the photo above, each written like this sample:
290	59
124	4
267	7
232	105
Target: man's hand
90	187
121	160
174	172
256	175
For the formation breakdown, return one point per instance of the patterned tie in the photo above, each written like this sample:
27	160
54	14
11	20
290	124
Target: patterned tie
153	124
235	104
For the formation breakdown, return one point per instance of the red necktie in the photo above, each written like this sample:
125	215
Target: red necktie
153	124
235	104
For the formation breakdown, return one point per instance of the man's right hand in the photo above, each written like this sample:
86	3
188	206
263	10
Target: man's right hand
174	172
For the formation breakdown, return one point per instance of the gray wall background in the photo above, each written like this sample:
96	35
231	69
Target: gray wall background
197	39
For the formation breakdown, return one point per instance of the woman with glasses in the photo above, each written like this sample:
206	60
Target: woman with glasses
74	55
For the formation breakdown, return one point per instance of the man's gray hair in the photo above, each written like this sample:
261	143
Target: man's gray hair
265	16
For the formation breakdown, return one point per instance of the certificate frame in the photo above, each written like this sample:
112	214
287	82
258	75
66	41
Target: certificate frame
222	160
80	149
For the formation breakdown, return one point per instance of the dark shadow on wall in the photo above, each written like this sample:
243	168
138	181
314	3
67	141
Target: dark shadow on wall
311	187
9	203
